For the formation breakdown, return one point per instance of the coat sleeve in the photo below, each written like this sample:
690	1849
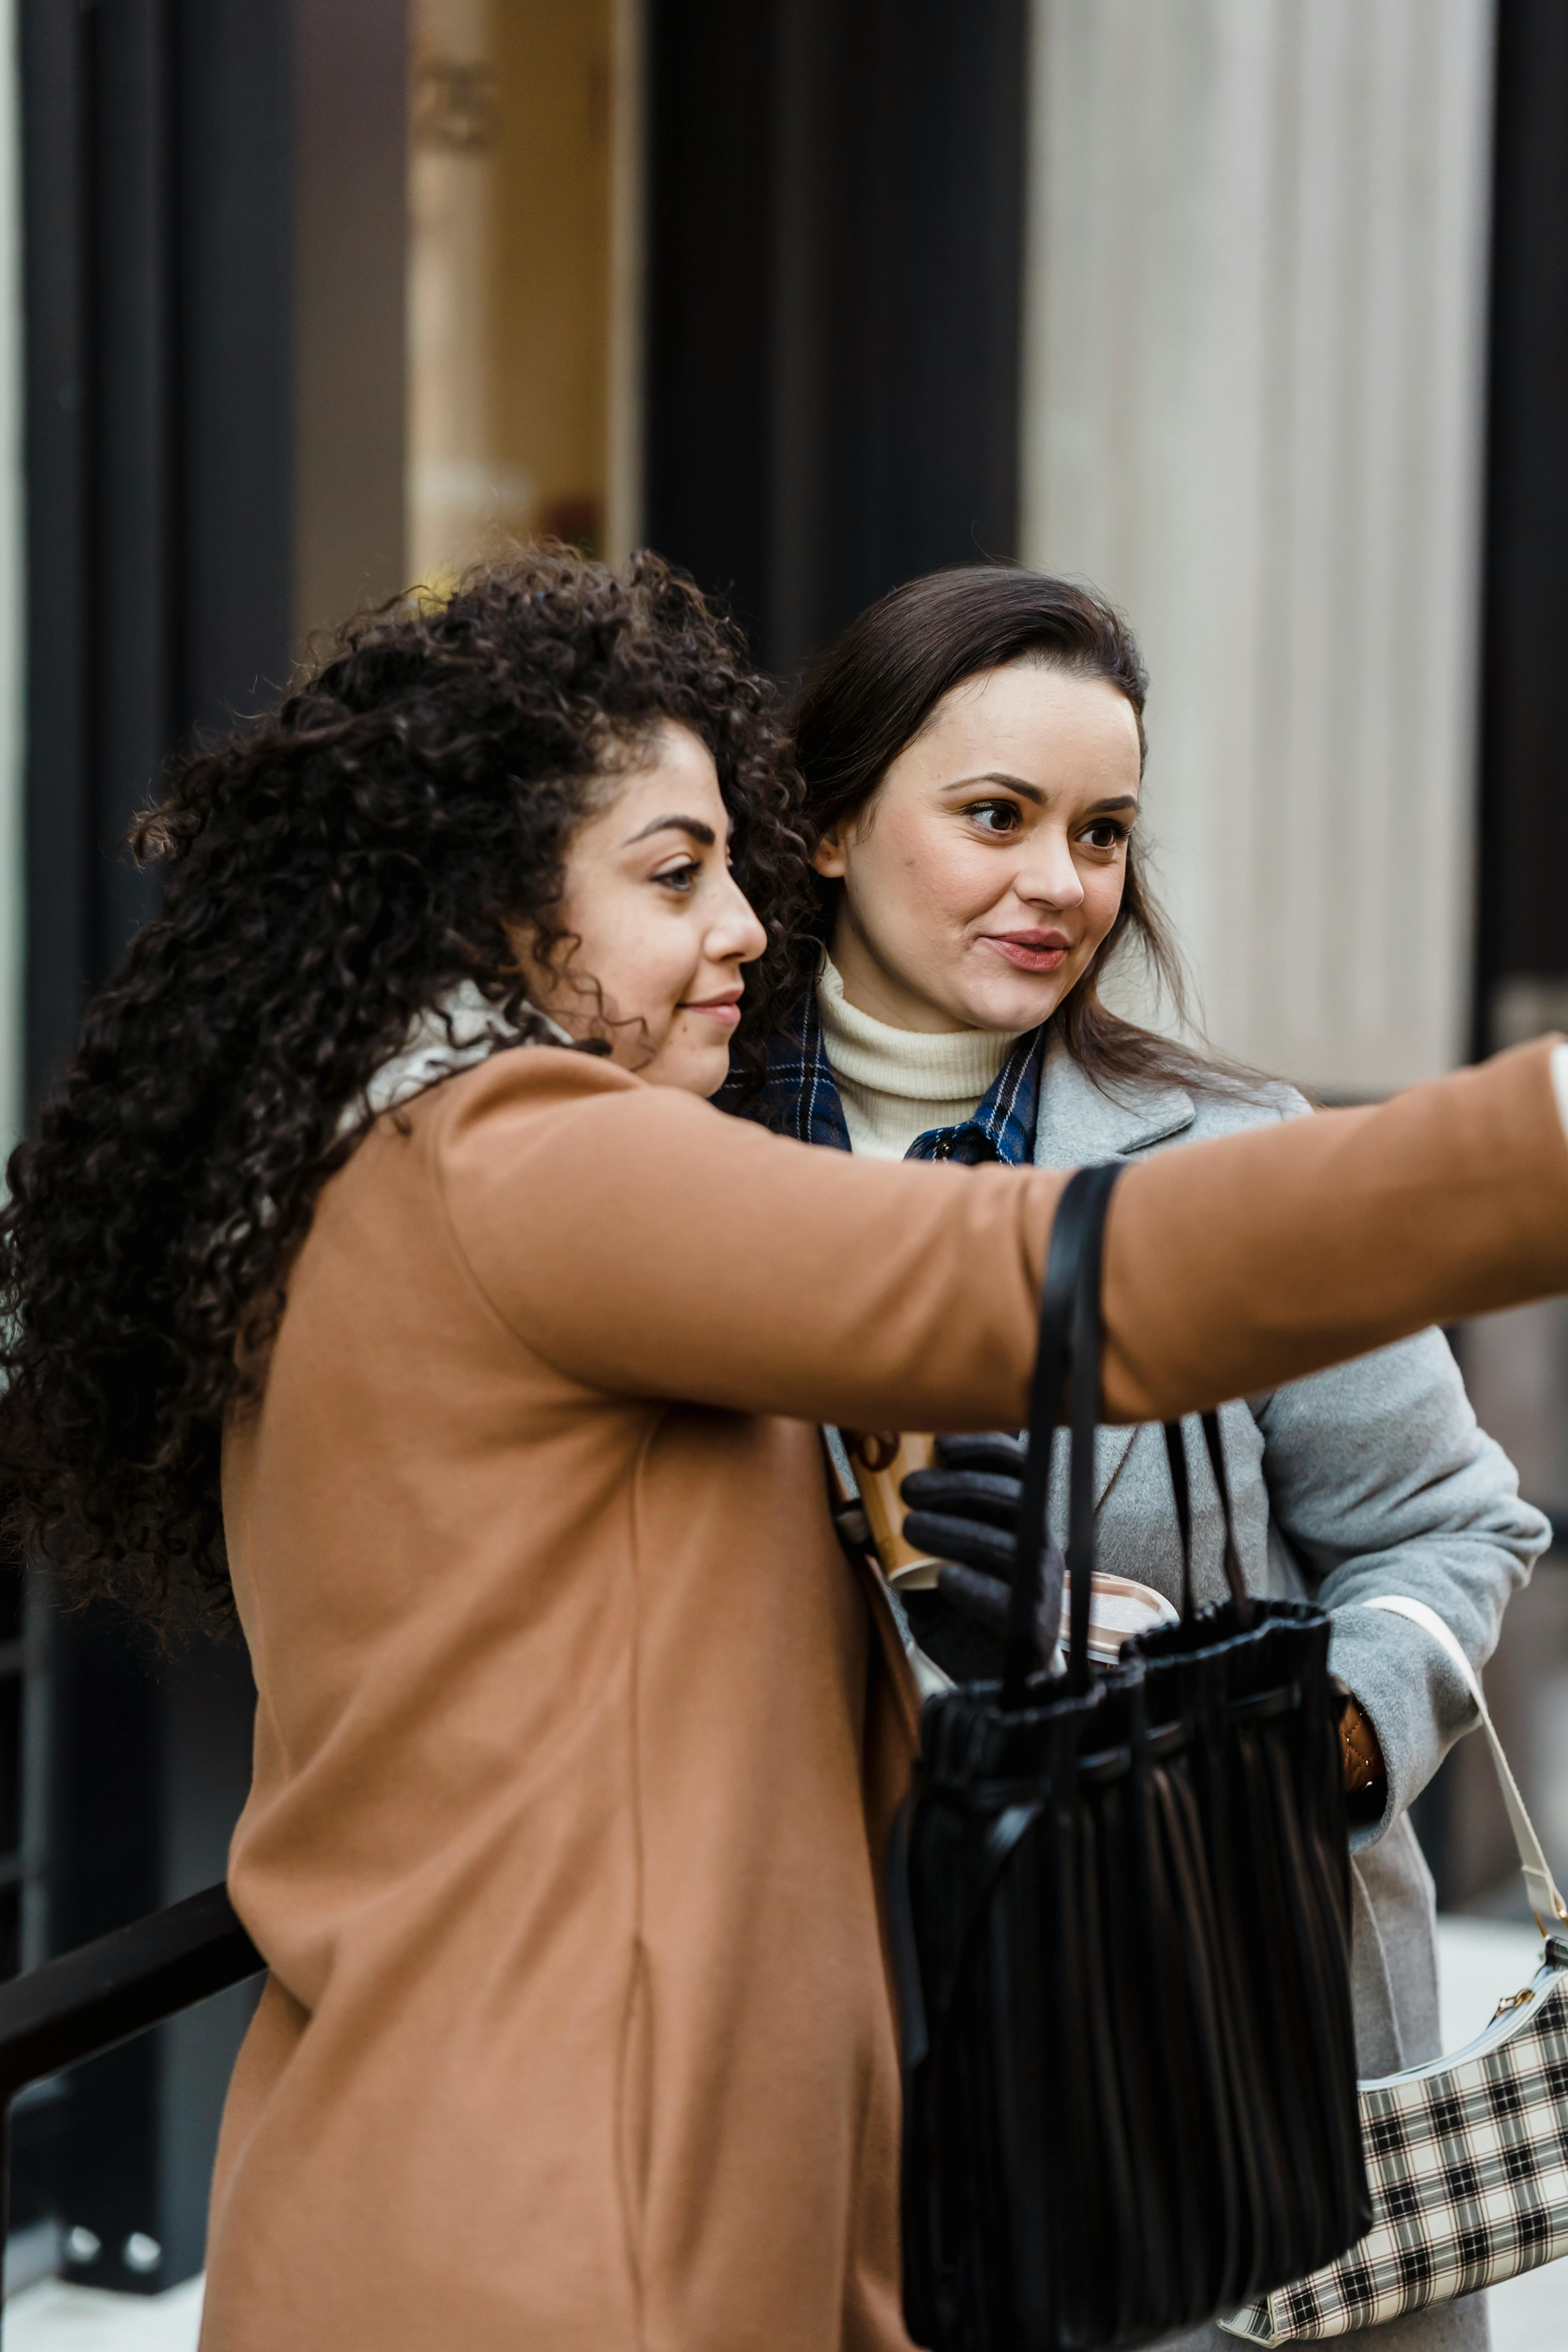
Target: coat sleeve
1381	1481
1236	1264
645	1243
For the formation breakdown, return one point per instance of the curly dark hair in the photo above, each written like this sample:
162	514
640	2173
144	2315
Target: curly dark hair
331	869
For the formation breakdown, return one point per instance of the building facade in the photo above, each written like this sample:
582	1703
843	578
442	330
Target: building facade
1253	312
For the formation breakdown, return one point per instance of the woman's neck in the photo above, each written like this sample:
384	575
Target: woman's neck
897	1084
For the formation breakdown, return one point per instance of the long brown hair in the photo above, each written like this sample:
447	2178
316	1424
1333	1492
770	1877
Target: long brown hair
873	691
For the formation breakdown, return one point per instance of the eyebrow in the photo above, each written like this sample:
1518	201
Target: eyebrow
1033	792
703	834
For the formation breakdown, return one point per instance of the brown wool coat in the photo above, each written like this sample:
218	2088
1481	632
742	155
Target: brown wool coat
576	1739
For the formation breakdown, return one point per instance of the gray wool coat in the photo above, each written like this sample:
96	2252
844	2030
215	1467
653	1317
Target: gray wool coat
1370	1478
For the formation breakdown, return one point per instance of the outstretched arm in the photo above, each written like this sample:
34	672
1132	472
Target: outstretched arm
1237	1265
644	1244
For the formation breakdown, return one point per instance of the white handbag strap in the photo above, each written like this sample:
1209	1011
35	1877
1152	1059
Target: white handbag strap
1550	1912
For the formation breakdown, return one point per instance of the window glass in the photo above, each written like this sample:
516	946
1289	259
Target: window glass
510	276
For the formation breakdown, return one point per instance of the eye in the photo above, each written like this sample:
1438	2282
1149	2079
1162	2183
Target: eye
1106	833
682	878
994	817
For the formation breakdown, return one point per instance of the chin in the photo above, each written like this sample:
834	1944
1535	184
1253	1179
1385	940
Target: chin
692	1074
1009	1011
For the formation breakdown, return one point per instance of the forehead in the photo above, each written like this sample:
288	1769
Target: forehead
1014	717
673	768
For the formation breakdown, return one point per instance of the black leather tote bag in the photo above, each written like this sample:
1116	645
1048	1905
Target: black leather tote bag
1102	2143
1247	1684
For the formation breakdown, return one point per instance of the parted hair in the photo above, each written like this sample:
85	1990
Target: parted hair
869	697
329	871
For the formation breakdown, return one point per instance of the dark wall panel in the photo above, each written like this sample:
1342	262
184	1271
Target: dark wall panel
187	285
158	286
131	295
158	289
233	387
61	852
922	289
835	223
709	292
1523	913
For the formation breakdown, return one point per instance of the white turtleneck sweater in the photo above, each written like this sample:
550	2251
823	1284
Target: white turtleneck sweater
896	1083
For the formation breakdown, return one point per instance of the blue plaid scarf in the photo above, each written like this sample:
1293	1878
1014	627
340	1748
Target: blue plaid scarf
799	1097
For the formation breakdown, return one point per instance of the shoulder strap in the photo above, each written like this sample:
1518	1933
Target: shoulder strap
1215	1441
1073	1254
1084	1420
1547	1904
1176	1455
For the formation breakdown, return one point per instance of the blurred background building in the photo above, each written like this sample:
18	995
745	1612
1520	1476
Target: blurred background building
1253	312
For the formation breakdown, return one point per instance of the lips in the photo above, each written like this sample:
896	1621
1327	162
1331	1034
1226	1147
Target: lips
1030	950
724	1010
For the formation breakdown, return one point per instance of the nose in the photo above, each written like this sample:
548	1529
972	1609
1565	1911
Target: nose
735	935
1048	872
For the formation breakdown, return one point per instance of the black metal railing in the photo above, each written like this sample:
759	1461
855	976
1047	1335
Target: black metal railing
90	2000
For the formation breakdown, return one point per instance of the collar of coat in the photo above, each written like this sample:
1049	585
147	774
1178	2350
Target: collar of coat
1076	1123
461	1028
1042	1107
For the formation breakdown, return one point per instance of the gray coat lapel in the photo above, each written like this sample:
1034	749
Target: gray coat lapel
1075	1126
1111	1447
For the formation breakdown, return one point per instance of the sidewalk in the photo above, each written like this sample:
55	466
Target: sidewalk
1481	1959
53	2318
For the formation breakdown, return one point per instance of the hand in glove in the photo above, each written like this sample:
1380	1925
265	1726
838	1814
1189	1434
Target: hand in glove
964	1511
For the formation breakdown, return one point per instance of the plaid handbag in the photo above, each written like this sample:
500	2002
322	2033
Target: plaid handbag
1467	2157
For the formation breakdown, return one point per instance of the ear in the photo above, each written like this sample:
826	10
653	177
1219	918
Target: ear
830	858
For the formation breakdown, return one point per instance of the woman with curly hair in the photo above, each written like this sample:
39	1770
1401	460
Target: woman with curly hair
379	1254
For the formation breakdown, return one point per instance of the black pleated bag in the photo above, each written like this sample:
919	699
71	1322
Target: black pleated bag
1119	1903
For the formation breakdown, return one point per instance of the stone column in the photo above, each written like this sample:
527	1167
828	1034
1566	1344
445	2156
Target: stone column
12	598
1254	322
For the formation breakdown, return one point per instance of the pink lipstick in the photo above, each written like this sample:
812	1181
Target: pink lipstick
1030	950
725	1010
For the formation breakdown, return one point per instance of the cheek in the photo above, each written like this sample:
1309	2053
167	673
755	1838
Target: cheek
636	959
921	872
1102	898
604	953
656	961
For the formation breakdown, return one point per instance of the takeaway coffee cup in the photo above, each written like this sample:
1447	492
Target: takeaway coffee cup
881	1459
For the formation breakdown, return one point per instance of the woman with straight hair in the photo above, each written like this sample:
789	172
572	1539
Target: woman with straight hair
971	750
380	1261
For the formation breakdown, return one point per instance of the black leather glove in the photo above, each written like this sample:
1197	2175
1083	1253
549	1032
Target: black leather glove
964	1511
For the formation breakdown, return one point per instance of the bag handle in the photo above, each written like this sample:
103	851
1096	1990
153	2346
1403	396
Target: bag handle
1545	1901
1176	1455
1214	1442
1087	1331
1070	1331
